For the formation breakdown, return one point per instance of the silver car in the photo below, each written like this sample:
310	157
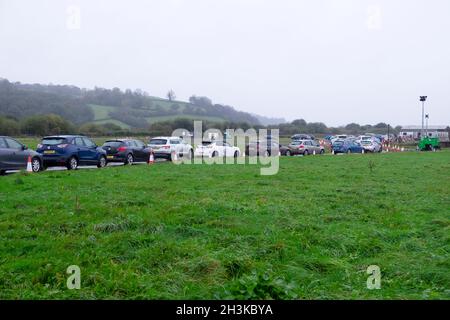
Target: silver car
371	146
165	147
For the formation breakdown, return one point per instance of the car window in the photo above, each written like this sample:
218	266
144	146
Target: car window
88	143
139	143
158	141
226	144
13	144
114	144
174	141
131	143
78	142
219	144
3	144
53	141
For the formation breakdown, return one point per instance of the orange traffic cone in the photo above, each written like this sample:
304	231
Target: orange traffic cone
29	165
151	159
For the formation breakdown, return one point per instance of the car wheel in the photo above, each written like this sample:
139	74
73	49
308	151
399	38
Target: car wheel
35	165
191	154
72	164
2	172
102	162
349	151
130	159
306	153
288	153
267	153
363	151
236	154
214	154
322	151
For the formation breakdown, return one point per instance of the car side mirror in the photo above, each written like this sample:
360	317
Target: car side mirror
24	148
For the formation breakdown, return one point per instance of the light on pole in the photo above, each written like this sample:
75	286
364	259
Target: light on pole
423	99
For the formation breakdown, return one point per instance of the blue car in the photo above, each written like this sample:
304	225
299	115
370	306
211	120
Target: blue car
346	146
71	152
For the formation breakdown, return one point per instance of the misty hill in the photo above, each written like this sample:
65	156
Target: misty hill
128	109
269	121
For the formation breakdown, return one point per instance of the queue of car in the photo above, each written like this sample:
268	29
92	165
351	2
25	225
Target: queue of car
73	151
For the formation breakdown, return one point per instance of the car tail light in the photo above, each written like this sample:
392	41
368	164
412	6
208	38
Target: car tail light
166	147
122	149
62	146
301	147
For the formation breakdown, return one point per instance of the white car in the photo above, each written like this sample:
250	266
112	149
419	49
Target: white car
213	149
339	137
164	147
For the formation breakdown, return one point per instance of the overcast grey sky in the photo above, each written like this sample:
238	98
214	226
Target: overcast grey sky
335	61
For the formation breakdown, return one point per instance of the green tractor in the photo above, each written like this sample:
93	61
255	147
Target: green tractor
429	144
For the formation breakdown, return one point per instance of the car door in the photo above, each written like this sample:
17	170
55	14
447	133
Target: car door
82	152
5	155
19	156
91	151
139	150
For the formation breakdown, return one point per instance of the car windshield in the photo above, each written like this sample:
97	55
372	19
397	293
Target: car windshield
113	144
338	143
296	143
53	141
158	141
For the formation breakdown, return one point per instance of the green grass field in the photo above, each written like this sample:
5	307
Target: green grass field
224	231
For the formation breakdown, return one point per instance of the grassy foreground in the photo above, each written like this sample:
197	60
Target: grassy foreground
224	231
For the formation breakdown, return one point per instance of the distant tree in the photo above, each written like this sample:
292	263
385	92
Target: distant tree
353	128
92	129
46	124
171	95
9	127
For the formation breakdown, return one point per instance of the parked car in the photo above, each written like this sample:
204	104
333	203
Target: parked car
262	148
71	151
216	149
346	146
163	147
339	137
14	156
371	146
304	147
127	151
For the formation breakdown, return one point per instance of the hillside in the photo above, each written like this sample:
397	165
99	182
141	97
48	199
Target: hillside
127	109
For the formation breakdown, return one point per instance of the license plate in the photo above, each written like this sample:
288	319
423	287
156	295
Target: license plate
155	148
49	151
110	157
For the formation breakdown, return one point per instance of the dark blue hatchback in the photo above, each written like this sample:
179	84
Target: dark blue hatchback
71	152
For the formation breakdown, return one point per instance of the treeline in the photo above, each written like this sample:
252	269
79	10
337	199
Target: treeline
18	104
301	126
52	124
41	125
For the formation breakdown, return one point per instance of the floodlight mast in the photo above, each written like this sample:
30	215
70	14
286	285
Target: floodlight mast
423	99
